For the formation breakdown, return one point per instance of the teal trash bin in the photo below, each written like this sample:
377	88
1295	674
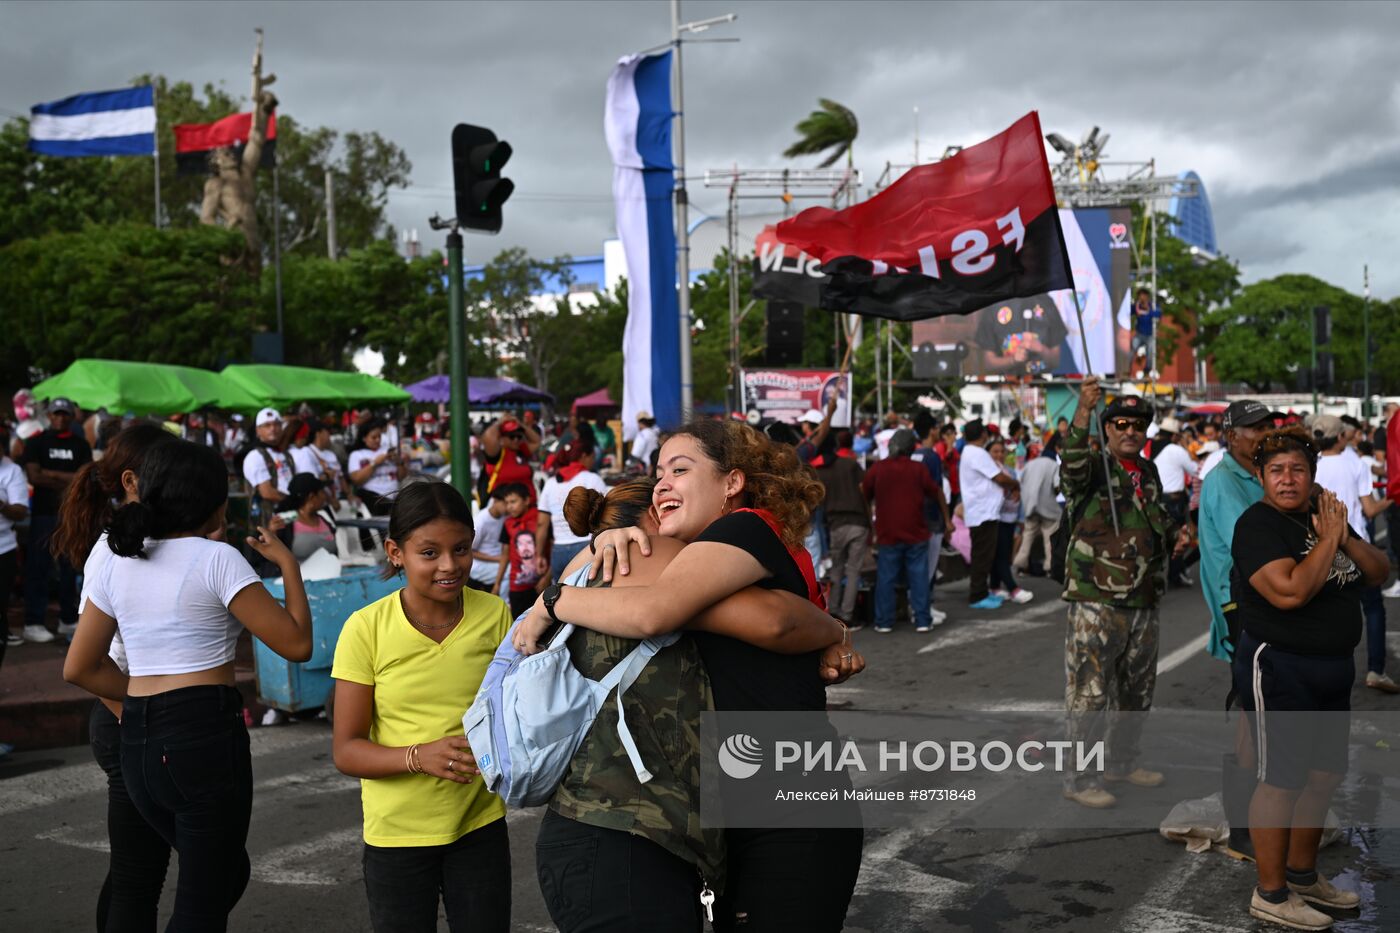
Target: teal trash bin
291	686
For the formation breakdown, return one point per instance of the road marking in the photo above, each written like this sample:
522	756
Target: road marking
1183	654
56	785
275	866
982	629
92	836
1153	909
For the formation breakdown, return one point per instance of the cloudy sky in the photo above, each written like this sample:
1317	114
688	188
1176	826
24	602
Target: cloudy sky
1289	111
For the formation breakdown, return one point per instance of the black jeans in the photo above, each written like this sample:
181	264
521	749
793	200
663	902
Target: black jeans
797	880
136	870
595	880
38	565
1001	576
471	876
8	563
189	771
984	552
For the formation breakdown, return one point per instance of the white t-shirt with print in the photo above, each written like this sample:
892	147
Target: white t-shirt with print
384	481
256	473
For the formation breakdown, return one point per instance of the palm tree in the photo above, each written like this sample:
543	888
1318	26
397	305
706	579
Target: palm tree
832	127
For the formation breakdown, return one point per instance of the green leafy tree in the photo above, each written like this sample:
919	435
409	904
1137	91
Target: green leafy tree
1189	284
515	323
831	129
127	292
1263	338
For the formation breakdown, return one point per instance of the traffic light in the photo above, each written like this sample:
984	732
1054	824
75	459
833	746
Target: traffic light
477	159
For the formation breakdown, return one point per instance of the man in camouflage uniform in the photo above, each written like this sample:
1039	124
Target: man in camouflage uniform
1114	582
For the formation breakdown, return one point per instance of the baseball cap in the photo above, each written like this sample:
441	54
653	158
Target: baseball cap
63	404
644	416
812	416
1246	412
267	416
510	426
1329	426
1171	425
1209	447
1128	406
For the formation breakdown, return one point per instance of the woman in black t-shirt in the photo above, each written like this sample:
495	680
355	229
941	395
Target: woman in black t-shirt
742	504
1298	574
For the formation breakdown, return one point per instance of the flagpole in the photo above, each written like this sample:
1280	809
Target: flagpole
1088	371
156	152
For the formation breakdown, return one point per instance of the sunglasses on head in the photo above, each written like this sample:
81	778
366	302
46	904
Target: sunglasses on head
1123	424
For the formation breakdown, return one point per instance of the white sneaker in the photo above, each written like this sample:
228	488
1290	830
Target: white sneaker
13	641
66	631
1393	591
1022	596
37	634
1001	593
937	615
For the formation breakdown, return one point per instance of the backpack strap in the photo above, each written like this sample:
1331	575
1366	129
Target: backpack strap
622	676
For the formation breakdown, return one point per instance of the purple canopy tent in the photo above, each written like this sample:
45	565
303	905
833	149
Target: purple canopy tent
481	390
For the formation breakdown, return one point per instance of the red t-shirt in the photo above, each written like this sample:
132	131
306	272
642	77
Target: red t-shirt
511	467
948	453
1392	457
898	488
519	533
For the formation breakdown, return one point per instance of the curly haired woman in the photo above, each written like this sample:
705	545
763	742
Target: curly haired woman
742	504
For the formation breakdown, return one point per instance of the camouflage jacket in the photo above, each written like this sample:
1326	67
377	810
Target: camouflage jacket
663	713
1126	570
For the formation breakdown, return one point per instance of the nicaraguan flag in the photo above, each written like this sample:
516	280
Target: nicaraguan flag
99	124
637	122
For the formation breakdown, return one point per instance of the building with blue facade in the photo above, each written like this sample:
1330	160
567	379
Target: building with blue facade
1192	220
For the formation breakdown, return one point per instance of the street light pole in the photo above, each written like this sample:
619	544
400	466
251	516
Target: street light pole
1366	342
457	355
683	200
682	223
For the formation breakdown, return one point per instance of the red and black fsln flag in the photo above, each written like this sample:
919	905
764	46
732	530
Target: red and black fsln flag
194	142
946	238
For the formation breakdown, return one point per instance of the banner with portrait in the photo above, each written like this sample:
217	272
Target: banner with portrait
1039	335
786	394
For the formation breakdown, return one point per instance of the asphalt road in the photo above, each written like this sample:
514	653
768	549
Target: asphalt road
306	823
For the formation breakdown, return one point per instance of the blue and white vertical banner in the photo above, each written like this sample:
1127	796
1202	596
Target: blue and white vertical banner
637	123
103	123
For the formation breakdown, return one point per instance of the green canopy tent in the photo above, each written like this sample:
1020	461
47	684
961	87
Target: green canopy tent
144	388
280	386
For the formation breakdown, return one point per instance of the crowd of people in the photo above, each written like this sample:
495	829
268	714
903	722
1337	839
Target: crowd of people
754	551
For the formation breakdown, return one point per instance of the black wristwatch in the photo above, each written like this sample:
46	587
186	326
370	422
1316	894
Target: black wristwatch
551	596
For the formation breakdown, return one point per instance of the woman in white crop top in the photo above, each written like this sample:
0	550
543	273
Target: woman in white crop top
180	602
138	856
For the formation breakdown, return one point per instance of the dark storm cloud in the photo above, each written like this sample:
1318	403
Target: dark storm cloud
1289	111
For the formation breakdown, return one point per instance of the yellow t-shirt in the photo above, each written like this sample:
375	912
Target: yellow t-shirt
421	691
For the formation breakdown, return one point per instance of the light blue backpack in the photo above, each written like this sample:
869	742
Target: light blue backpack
531	713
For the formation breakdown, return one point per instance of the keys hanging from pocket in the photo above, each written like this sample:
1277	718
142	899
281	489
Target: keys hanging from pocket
707	900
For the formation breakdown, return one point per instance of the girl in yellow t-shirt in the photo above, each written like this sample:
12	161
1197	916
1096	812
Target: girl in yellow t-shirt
406	667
